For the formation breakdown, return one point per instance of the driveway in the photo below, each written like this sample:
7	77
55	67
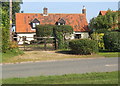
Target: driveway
60	67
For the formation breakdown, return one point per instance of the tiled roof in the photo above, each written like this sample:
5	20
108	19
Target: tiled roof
104	12
77	21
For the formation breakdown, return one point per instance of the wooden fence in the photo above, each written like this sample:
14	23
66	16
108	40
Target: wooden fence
40	43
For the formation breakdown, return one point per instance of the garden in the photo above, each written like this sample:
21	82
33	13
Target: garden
99	45
103	41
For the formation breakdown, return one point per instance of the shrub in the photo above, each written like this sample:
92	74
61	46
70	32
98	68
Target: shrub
102	30
13	45
84	46
99	38
60	33
44	30
5	39
112	41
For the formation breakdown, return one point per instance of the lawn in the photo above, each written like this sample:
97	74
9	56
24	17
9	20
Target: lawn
109	54
40	55
43	56
9	55
87	78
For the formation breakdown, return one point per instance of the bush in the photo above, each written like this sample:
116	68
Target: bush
99	38
5	40
60	32
102	30
13	45
44	30
112	41
57	31
84	46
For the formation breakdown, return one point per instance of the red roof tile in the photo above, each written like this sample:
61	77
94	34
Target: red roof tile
104	12
77	21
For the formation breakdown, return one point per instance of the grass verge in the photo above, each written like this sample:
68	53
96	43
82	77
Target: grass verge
87	78
109	54
40	55
10	54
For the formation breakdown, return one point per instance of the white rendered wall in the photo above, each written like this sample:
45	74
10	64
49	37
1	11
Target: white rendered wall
83	35
25	34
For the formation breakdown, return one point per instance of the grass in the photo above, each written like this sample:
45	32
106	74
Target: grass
87	78
109	54
45	56
38	55
10	55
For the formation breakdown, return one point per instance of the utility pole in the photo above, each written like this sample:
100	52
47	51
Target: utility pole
10	14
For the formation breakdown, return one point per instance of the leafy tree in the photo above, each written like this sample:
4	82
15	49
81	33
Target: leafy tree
5	31
112	41
15	8
6	45
108	21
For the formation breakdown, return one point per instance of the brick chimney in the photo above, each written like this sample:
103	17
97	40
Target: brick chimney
84	10
45	11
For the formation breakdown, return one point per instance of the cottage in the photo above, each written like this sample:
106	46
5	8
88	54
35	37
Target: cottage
26	23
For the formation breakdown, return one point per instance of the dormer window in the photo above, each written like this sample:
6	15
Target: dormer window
60	22
34	23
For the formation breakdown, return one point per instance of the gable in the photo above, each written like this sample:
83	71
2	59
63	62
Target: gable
35	21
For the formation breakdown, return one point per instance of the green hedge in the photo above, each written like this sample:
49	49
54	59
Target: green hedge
57	31
44	30
83	46
112	41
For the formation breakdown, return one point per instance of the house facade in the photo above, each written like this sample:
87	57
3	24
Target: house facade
26	23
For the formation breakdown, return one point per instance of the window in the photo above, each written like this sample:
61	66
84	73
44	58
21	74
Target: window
37	23
60	22
77	36
34	25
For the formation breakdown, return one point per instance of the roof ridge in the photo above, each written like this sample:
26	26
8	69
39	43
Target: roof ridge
50	13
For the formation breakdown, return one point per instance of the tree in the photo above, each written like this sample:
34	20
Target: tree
106	22
5	31
15	8
5	23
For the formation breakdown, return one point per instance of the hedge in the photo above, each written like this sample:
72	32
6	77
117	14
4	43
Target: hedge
83	46
57	31
60	32
112	41
44	30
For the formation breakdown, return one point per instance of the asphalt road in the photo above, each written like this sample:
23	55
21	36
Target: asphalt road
60	67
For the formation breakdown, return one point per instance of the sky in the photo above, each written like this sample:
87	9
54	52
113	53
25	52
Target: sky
92	8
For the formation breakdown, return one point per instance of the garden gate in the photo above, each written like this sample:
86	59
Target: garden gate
37	43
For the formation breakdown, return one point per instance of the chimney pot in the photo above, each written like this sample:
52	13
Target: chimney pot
84	10
45	11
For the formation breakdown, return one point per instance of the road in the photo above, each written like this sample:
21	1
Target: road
60	67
